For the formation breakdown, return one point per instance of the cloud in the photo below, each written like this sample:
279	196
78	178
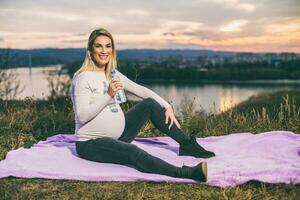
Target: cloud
237	5
80	34
284	40
235	25
46	14
174	36
216	24
32	20
74	41
177	27
137	12
284	26
169	34
28	40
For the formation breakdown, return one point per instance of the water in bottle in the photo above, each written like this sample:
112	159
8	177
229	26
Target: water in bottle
120	96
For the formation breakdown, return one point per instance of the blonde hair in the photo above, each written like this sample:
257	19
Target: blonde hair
88	61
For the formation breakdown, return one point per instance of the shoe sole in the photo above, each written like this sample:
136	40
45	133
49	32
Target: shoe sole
204	170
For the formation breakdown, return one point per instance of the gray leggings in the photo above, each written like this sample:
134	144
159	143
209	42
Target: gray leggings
121	151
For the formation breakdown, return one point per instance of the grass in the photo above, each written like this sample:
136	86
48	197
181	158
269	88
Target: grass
23	123
12	188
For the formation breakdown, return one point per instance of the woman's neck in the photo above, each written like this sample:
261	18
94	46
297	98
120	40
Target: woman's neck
96	68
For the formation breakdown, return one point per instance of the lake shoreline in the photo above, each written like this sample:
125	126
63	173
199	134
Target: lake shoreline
174	81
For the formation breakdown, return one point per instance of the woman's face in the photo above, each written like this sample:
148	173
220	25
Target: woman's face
102	50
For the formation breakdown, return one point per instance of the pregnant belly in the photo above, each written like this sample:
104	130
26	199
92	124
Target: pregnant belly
105	124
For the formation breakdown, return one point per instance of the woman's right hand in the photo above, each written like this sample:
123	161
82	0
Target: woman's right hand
114	87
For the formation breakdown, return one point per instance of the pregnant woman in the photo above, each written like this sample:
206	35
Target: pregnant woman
104	133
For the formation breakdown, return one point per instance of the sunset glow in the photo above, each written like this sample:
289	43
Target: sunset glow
231	25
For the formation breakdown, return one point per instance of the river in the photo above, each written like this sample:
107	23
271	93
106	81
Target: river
214	97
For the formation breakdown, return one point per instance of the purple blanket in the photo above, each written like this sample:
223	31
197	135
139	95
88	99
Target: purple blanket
271	157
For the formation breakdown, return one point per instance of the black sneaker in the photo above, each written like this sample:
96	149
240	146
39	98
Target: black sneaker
192	148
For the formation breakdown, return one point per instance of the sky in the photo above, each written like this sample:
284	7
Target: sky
225	25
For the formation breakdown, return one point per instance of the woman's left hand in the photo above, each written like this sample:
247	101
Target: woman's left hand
170	116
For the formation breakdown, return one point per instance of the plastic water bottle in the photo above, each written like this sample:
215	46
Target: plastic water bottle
120	96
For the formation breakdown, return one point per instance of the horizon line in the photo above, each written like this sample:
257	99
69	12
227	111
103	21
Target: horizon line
158	49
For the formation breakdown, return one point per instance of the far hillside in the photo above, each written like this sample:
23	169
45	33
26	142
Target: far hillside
50	56
169	64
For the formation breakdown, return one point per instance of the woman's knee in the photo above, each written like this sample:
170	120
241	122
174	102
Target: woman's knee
132	149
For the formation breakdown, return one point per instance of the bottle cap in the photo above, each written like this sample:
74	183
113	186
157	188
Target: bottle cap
113	72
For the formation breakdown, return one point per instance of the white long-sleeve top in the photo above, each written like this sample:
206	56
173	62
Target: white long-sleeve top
92	105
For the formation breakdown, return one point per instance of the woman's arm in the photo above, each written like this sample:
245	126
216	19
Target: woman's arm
144	92
141	91
87	104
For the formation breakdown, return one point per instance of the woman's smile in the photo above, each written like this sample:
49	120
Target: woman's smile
103	57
